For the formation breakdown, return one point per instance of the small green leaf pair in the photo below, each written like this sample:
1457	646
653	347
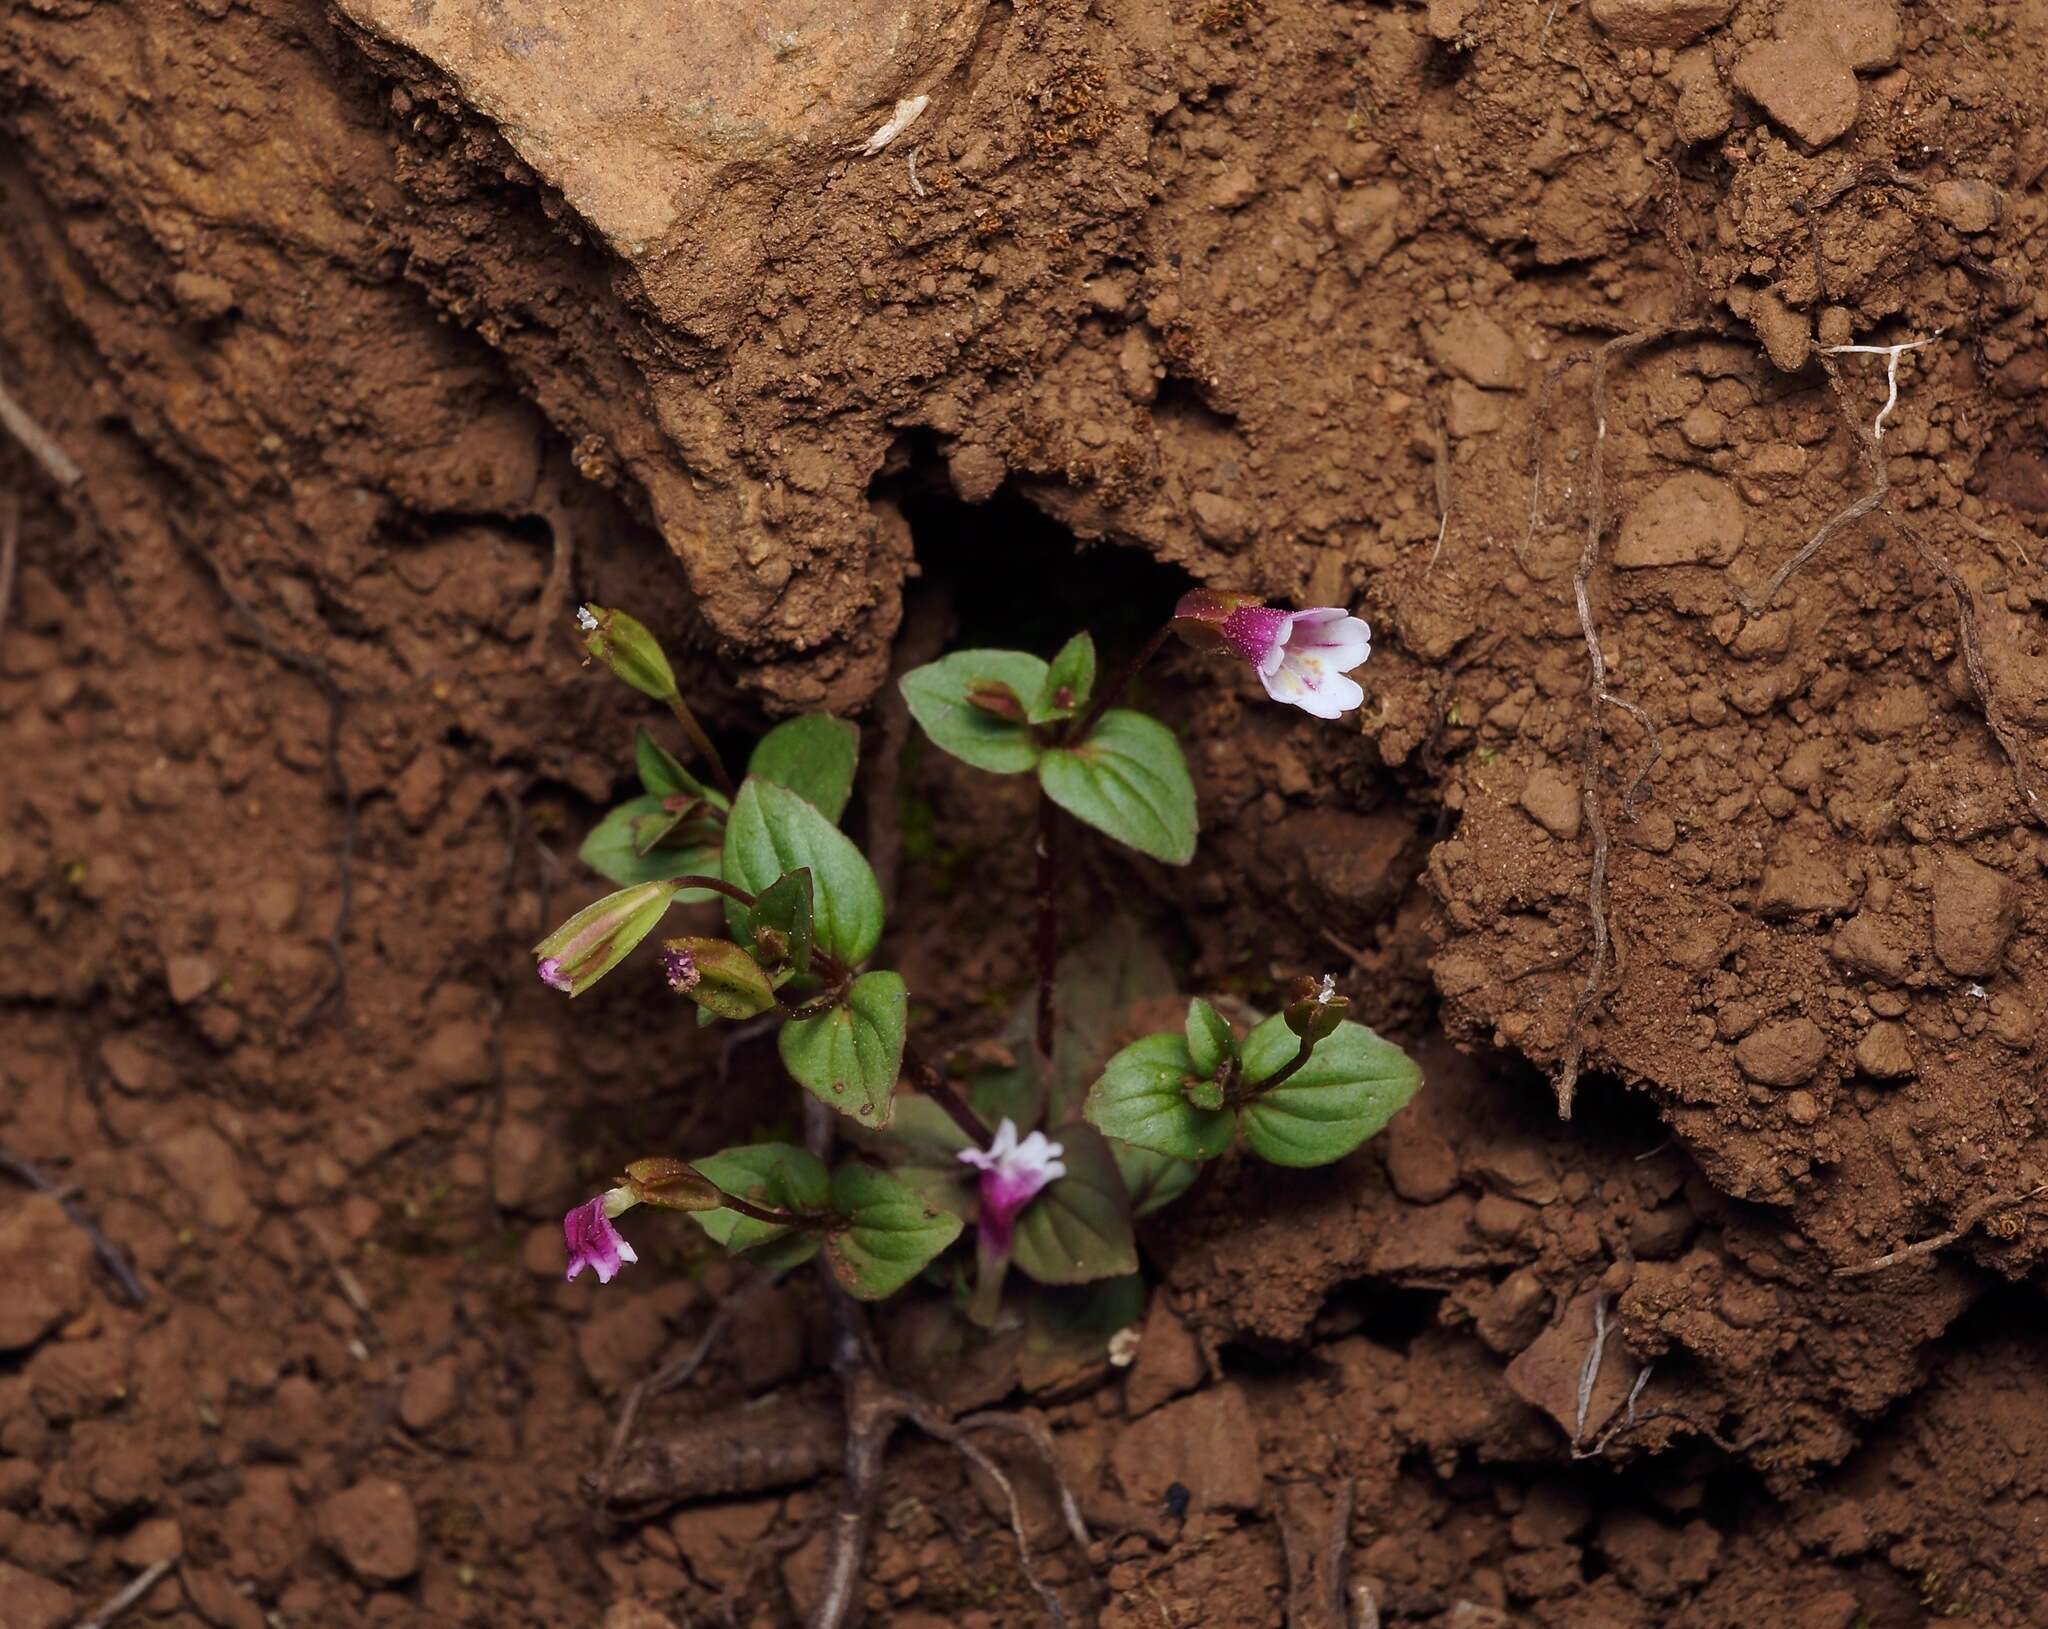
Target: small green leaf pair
1186	1096
877	1232
1008	712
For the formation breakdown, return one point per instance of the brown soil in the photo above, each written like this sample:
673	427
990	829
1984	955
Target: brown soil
370	366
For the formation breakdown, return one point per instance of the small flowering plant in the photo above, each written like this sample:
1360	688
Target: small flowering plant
1050	1158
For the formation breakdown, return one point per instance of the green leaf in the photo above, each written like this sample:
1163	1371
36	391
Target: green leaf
894	1231
784	908
815	757
1127	779
1078	1229
1069	682
764	1173
771	831
1153	1180
611	851
1141	1099
1067	1328
1101	983
1211	1041
663	774
851	1056
937	694
1351	1086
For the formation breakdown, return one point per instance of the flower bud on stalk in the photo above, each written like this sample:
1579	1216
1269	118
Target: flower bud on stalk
625	646
1315	1010
719	976
671	1184
598	937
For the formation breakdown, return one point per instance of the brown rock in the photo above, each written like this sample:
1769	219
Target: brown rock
1975	910
1864	33
1234	187
457	1054
1690	520
1421	1165
634	1613
428	1394
1513	1315
159	1538
1802	1108
976	471
374	1529
1968	207
1515	1169
1796	883
1803	85
620	1339
529	1168
1222	520
1883	1054
45	1264
1874	945
189	978
1168	1362
215	1598
1786	334
1658	22
1552	801
1473	412
1546	1374
1208	1444
1367	223
29	1602
1782	1054
203	1167
1705	110
1475	348
717	1540
1658	1235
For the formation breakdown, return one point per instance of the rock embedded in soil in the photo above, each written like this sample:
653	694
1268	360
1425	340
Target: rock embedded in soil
1798	883
202	1165
1222	520
1968	207
1883	1052
1168	1362
1975	911
1864	33
1546	1374
1658	22
1475	348
1803	86
1873	945
46	1263
1786	335
428	1394
1552	801
1690	520
374	1529
1421	1164
30	1602
1782	1054
1208	1444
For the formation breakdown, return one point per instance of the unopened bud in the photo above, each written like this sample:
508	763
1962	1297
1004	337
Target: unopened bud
1315	1009
598	937
672	1185
719	976
995	697
626	647
1202	612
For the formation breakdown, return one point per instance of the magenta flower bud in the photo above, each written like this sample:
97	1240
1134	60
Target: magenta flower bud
593	1241
550	970
679	967
1013	1174
598	937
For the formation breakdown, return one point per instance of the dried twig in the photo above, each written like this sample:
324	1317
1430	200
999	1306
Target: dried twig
10	549
1316	1593
1443	489
1589	1371
671	1375
137	1587
38	443
1972	1214
117	1264
1595	735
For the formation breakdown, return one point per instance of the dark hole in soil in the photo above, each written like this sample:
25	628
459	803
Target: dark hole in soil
1010	568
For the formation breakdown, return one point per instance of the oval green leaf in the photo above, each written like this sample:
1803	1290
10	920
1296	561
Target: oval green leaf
1140	1099
1351	1086
852	1056
772	830
1079	1229
1153	1181
937	694
766	1174
815	757
1127	779
892	1231
611	852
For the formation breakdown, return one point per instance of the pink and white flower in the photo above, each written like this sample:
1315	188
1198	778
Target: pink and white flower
1013	1173
593	1241
1303	657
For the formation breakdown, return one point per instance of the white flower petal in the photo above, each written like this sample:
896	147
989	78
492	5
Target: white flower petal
1284	684
626	1251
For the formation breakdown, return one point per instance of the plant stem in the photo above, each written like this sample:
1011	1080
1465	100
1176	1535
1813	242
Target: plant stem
1048	922
933	1085
1110	694
702	742
716	885
761	1213
1292	1066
